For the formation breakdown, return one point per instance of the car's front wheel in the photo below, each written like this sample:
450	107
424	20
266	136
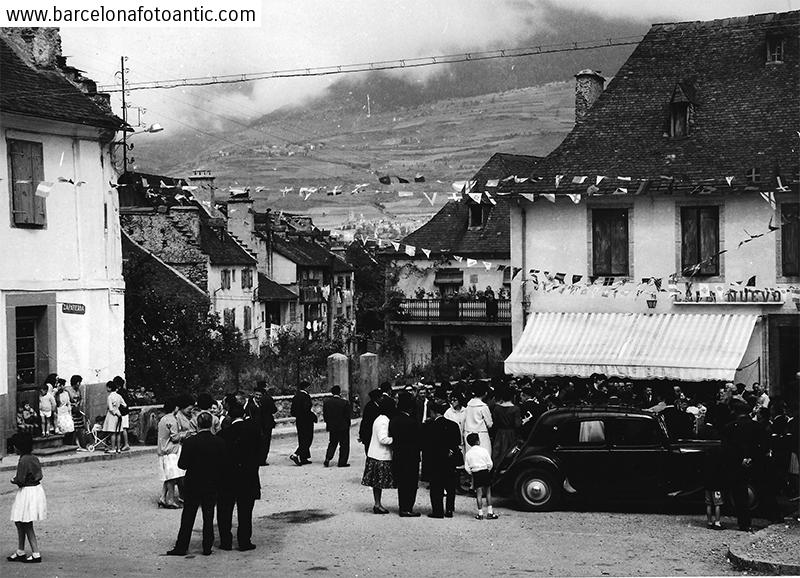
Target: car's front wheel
537	490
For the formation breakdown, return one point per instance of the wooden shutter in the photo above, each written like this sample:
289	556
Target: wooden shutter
709	240
247	318
690	251
790	239
610	242
27	171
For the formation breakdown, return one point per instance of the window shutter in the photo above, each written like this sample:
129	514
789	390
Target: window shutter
619	244
709	240
26	174
689	234
601	244
790	239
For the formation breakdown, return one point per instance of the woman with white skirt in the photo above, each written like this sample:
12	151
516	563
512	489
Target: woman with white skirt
30	503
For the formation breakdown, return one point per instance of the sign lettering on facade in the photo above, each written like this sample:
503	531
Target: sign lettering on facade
73	308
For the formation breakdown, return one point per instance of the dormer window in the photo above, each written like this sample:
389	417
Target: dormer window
680	109
775	48
754	175
477	216
678	119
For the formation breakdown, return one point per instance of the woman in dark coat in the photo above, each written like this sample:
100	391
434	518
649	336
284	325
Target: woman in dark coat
404	430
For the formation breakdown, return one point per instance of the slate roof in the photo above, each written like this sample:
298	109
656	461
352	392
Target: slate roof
46	94
269	290
744	111
448	230
308	254
221	248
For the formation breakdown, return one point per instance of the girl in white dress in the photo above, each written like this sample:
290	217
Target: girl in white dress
113	421
30	503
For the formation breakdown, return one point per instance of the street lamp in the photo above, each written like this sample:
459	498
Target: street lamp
155	127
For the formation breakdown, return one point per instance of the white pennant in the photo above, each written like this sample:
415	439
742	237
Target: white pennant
488	197
43	189
427	252
529	196
475	197
623	179
550	197
520	179
431	198
558	179
578	180
575	198
492	182
411	250
621	191
729	180
395	246
471	262
598	178
488	265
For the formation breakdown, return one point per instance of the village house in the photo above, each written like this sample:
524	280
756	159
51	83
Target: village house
660	239
61	284
303	286
191	237
446	270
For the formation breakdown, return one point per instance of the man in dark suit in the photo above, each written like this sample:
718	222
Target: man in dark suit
304	420
261	409
203	458
368	417
744	447
241	486
441	454
336	414
404	429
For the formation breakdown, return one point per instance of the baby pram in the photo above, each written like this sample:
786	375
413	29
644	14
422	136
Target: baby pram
97	439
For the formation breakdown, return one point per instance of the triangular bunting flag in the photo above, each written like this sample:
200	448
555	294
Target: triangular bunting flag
488	198
395	245
411	250
550	197
769	196
560	277
427	252
520	179
578	180
492	182
431	198
576	279
751	282
515	271
476	197
43	189
598	178
729	180
458	258
621	191
781	187
558	179
575	198
471	262
528	196
487	265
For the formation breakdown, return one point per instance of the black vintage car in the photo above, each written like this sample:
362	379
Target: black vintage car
605	451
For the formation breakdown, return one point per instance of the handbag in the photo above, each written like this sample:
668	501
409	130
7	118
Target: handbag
123	410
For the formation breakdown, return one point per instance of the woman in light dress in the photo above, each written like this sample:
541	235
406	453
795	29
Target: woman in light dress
64	423
113	421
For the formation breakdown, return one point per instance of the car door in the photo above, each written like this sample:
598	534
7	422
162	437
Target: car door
638	455
582	453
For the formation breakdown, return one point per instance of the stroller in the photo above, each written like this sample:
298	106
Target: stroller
100	440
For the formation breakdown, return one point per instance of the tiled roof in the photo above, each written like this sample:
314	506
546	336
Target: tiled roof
221	248
448	229
308	254
46	94
744	111
269	290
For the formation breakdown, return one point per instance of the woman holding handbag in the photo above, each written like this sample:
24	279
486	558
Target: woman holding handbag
113	421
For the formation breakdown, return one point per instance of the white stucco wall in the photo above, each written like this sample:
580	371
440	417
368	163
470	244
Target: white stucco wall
235	298
74	255
284	271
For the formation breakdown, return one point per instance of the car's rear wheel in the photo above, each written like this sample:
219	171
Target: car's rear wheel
537	490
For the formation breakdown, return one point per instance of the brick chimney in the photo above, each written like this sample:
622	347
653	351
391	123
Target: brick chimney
203	178
241	220
588	88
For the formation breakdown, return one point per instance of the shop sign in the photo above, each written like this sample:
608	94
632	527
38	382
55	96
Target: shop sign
73	308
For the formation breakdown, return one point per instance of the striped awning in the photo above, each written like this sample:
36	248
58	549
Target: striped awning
683	347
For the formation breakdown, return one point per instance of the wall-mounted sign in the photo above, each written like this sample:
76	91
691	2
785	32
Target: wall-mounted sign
73	308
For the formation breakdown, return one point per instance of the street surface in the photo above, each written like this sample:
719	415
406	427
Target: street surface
103	521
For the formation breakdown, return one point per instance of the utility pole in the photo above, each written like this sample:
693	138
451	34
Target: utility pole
124	118
331	297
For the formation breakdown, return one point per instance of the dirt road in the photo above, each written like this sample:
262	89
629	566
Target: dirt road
315	521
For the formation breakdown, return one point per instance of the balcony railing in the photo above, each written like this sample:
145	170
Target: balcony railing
438	310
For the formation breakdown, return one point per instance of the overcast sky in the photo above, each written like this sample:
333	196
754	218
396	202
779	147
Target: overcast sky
309	33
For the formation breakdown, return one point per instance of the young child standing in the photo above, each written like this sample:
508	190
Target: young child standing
47	405
713	482
478	462
30	503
